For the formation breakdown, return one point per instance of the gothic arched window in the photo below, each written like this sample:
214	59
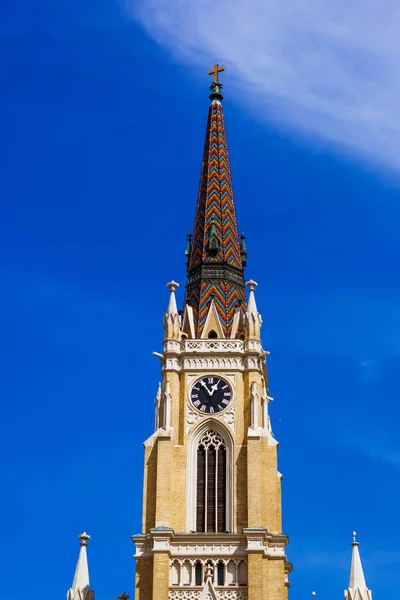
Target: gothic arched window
199	573
210	478
221	573
211	483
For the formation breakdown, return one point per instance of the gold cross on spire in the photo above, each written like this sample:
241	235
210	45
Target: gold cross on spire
215	72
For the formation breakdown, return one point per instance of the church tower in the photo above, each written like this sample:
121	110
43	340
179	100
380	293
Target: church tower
212	490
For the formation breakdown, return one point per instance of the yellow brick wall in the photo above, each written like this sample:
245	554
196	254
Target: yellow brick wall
160	576
274	578
149	489
255	577
163	485
144	579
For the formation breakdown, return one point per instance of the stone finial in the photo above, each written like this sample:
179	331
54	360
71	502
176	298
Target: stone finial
123	596
84	537
173	285
251	285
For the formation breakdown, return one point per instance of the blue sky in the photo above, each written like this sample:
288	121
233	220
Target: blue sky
103	111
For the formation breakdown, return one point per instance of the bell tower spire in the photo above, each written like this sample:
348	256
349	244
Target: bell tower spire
217	257
212	526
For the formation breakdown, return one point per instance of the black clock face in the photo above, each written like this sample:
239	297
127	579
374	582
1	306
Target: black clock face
211	395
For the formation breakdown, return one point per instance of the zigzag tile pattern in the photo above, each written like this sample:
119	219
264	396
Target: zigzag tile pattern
215	206
215	202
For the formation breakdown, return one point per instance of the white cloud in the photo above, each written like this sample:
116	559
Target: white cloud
376	446
328	68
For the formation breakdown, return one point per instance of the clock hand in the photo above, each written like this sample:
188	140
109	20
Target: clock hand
206	388
214	387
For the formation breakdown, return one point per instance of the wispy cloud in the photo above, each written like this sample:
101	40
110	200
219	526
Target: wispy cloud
376	446
329	69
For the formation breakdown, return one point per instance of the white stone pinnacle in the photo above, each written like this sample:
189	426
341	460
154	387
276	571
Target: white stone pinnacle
172	307
158	395
357	587
357	579
81	583
251	304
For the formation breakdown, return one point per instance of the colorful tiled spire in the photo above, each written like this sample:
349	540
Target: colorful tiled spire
216	260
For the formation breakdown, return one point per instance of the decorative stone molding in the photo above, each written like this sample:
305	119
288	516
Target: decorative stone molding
184	594
229	417
190	594
208	550
191	418
275	551
252	346
208	354
256	538
143	547
231	594
213	362
171	364
172	346
161	537
251	363
206	346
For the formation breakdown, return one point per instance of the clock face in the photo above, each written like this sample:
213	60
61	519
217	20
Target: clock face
210	395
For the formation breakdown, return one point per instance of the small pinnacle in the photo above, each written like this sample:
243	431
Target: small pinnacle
84	537
123	596
158	395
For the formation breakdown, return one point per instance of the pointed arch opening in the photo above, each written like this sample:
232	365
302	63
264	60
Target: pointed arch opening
210	479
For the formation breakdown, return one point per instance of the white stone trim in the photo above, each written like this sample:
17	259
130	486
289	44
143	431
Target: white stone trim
213	362
188	593
229	416
212	345
209	550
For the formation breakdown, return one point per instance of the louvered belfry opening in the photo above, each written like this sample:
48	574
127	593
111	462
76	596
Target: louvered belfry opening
211	483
